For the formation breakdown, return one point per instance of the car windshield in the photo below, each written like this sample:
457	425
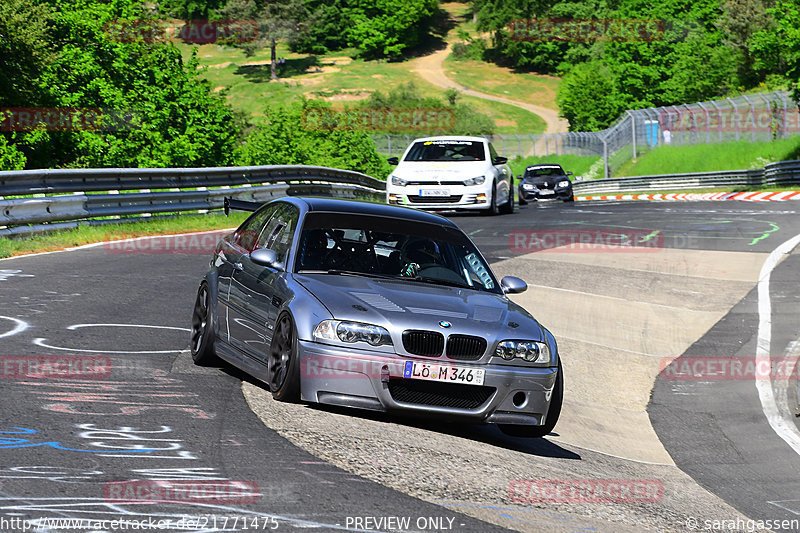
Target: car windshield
544	171
399	249
445	150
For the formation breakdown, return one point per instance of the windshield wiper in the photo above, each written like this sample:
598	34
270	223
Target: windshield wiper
436	281
356	273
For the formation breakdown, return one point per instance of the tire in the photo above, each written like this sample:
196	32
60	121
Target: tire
522	200
492	210
284	367
536	432
202	336
570	199
508	207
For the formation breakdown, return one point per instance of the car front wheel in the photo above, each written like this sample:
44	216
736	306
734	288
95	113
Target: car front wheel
553	412
202	337
492	209
284	367
508	207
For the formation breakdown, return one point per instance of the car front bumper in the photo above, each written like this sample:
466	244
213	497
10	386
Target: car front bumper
460	197
546	194
374	380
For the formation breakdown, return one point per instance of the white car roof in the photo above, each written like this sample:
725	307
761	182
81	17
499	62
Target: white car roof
451	138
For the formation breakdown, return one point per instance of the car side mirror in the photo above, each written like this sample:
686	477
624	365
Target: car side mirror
393	160
569	173
266	257
513	285
500	160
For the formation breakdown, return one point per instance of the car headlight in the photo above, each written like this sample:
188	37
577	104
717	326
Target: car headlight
350	332
478	180
563	183
529	351
400	182
529	186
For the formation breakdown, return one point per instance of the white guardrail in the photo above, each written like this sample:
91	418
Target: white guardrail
66	197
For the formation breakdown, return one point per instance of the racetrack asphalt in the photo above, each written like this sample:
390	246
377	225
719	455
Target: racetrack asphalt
195	421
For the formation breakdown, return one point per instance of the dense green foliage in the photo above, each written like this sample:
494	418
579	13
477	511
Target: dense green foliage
376	28
109	60
661	53
74	58
284	140
466	120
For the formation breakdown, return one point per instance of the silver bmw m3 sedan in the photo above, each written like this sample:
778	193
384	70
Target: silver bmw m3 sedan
375	307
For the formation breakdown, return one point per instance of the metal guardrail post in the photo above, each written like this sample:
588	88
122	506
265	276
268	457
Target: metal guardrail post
735	118
633	132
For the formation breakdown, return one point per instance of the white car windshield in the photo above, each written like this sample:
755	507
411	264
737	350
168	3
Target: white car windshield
391	248
446	150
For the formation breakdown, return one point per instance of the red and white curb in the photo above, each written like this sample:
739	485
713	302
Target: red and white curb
768	196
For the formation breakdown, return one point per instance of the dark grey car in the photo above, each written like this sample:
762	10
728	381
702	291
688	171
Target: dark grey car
375	307
545	182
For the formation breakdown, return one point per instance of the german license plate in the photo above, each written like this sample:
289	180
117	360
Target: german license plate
434	192
443	372
545	192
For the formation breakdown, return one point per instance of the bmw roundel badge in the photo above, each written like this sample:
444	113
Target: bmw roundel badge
445	324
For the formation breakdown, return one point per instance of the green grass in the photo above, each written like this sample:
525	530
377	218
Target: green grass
500	81
577	164
710	157
58	240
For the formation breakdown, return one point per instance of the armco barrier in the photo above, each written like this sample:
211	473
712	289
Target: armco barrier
783	173
130	191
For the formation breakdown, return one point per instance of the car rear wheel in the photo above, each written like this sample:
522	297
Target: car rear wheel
202	336
284	367
534	432
492	209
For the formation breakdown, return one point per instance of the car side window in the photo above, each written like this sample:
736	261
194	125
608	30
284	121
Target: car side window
279	231
247	234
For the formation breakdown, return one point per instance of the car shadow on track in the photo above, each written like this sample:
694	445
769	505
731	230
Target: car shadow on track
485	433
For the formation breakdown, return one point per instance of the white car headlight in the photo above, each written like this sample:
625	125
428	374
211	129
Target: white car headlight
400	182
350	332
529	351
478	180
563	183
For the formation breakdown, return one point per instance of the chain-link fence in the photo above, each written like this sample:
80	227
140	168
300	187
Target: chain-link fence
754	118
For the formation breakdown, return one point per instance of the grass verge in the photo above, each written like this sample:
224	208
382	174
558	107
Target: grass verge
61	239
710	157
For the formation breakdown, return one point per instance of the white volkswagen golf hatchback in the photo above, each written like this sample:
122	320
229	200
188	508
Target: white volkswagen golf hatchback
448	173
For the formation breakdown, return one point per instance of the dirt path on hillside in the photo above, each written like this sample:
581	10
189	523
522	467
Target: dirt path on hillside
431	70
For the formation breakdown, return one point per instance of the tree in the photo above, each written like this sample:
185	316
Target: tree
588	98
277	20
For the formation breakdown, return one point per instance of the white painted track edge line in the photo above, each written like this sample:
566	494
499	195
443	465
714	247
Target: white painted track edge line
783	428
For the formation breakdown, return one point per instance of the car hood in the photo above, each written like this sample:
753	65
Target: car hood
433	170
400	305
